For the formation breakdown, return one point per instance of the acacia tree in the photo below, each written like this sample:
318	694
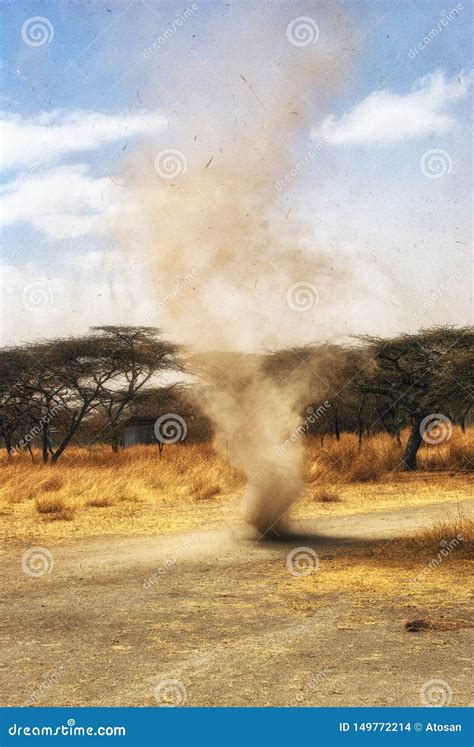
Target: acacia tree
425	373
74	377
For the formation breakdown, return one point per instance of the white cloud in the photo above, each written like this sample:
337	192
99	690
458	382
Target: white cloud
63	203
386	117
36	141
90	288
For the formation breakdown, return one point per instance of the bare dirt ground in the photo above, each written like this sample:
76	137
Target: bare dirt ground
223	619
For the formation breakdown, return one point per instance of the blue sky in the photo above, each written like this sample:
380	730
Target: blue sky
100	82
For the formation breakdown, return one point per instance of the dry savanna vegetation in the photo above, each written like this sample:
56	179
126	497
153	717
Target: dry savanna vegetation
95	491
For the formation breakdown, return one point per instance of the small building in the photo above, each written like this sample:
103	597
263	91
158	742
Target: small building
139	430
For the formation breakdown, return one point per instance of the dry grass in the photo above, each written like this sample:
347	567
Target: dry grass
427	570
323	495
54	508
94	491
381	455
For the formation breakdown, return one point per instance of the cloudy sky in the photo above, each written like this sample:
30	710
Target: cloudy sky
381	172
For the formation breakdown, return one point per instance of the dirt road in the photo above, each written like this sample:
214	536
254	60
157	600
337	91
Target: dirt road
115	618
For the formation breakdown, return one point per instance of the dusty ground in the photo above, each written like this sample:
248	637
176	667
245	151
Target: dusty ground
229	621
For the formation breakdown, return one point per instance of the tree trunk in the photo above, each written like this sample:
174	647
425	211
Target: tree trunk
76	421
45	443
8	446
413	444
337	429
462	419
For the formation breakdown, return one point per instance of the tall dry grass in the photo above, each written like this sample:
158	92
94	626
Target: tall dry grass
380	456
138	488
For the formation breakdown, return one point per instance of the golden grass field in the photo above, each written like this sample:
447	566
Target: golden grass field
95	492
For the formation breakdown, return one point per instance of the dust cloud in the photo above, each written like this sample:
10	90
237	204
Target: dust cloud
233	262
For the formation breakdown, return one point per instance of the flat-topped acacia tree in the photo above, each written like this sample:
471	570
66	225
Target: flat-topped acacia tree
425	373
68	379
